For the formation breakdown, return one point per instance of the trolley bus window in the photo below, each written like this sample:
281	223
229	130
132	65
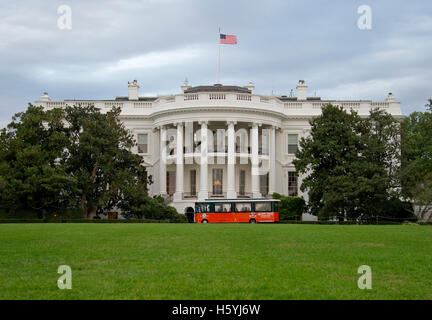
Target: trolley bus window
203	208
222	207
243	207
263	206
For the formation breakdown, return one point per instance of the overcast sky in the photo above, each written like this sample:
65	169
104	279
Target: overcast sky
160	42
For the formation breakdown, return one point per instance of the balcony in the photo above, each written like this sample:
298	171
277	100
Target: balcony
190	195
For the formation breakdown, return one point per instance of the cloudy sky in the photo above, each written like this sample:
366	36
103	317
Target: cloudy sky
160	42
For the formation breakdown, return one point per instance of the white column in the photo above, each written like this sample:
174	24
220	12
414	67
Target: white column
272	159
203	192
231	192
162	161
254	161
179	163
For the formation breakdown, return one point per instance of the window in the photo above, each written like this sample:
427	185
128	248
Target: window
218	140
265	142
264	184
263	206
203	208
242	183
292	143
171	182
193	182
171	147
292	184
243	207
143	143
217	181
222	207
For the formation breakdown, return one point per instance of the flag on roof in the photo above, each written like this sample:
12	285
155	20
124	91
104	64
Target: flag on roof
227	39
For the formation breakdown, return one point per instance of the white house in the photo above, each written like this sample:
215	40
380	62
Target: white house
221	141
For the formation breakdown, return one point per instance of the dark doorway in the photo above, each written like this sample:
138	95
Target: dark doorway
190	214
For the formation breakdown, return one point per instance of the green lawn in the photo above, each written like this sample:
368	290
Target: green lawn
225	261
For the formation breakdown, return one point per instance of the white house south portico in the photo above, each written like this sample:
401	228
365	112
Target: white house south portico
221	141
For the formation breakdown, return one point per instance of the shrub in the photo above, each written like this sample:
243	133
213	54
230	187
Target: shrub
290	207
398	210
19	214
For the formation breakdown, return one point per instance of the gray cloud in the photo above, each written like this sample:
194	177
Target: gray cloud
161	42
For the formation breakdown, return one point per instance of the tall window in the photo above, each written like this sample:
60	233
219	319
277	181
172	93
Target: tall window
143	143
264	142
217	181
218	140
171	182
264	184
242	183
292	143
193	182
292	184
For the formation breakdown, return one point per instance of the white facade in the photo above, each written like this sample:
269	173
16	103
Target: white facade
250	138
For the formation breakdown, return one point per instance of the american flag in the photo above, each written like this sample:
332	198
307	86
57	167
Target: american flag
227	39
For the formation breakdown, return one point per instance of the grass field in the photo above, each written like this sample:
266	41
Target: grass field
225	261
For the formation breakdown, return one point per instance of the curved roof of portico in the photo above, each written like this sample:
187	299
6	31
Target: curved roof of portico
217	88
218	113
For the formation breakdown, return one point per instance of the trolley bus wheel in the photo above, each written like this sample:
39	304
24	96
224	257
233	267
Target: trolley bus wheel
252	221
204	221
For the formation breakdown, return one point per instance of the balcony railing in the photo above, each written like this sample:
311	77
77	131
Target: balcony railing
171	151
218	195
190	195
244	195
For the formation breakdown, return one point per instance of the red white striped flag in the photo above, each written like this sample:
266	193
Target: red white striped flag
227	39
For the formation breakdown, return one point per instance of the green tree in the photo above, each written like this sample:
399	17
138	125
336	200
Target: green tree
349	163
429	105
380	156
31	175
417	161
100	158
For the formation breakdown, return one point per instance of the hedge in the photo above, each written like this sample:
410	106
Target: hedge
89	221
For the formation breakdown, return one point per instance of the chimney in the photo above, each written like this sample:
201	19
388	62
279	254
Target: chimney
45	97
390	98
250	86
186	85
301	90
133	90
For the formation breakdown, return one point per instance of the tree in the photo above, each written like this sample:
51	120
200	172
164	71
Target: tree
349	163
100	158
31	175
380	156
73	157
429	105
417	161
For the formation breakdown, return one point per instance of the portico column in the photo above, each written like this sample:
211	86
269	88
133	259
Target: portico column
272	159
179	163
203	192
254	161
162	161
231	192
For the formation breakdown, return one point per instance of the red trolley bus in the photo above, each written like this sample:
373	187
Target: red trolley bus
237	210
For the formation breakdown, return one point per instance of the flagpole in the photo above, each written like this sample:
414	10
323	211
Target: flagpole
218	71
